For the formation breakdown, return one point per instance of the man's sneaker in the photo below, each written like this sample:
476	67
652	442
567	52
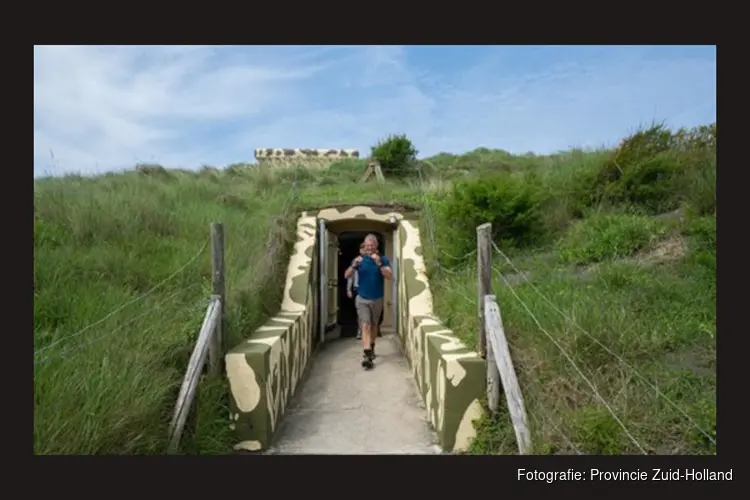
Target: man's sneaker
366	362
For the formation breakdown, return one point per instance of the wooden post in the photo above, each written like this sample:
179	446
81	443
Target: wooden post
373	167
379	173
498	345
484	287
186	398
218	339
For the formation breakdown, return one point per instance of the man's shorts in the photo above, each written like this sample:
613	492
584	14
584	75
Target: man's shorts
369	311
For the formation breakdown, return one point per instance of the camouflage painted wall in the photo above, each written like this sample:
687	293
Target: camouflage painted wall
281	157
264	370
450	376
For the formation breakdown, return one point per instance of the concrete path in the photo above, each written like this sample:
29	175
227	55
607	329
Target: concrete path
340	408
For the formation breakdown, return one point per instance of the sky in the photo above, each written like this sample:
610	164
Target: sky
104	108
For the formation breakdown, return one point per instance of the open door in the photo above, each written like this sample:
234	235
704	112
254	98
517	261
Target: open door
395	304
322	279
332	274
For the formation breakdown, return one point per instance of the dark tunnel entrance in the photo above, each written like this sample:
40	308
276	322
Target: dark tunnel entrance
349	242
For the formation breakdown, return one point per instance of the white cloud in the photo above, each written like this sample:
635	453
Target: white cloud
101	108
114	105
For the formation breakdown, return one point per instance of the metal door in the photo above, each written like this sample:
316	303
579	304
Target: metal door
323	279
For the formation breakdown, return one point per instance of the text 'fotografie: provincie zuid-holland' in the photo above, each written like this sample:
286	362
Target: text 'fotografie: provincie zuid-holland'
686	474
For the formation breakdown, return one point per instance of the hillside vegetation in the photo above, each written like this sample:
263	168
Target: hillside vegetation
609	303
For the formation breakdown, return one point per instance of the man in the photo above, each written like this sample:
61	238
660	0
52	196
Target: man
352	283
372	269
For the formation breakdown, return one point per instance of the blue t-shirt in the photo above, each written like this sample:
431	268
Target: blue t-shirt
371	286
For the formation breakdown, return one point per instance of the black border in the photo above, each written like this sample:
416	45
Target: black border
250	475
269	23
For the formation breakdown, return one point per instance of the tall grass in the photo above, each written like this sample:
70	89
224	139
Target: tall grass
580	226
608	295
103	242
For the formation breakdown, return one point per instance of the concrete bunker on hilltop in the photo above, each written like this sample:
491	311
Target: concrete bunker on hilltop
265	370
284	157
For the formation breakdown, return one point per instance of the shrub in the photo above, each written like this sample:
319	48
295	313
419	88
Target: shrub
509	202
396	155
657	170
650	184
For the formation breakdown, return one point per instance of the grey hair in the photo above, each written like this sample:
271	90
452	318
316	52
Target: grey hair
373	238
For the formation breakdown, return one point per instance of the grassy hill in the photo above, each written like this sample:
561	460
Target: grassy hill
609	303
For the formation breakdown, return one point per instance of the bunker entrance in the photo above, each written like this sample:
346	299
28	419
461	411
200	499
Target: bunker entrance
348	250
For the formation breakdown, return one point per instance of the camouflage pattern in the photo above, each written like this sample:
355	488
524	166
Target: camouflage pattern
265	370
308	157
450	376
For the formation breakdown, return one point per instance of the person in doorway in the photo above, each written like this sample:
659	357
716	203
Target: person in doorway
372	269
352	283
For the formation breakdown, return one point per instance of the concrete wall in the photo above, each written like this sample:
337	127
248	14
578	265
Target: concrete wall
450	377
265	370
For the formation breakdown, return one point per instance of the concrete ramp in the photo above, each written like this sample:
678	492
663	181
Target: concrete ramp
341	408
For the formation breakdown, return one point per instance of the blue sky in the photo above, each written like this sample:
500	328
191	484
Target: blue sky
107	108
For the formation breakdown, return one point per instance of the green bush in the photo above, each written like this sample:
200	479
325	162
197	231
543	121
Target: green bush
608	236
649	183
396	155
510	203
657	170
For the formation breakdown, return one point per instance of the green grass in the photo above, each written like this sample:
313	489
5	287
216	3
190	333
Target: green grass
633	291
103	242
609	306
640	328
604	237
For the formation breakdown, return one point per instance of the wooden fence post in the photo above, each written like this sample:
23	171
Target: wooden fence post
498	345
185	406
218	339
484	287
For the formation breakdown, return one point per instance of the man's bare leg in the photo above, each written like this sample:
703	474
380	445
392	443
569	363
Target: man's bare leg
366	335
